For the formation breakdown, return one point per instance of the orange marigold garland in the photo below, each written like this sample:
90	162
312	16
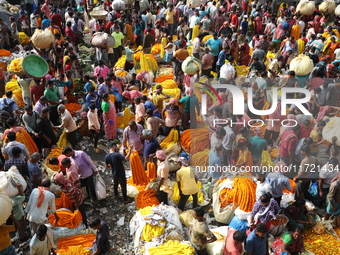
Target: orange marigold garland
67	219
146	198
138	172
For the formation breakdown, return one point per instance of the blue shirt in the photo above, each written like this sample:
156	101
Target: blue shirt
137	29
215	45
278	182
257	145
87	85
45	23
150	147
244	27
118	96
222	56
149	105
214	160
255	244
92	99
128	52
14	106
33	169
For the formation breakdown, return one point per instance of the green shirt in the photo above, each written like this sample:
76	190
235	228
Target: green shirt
118	39
105	107
52	95
189	102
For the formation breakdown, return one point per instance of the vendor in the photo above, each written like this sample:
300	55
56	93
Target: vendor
333	197
290	242
151	145
164	186
264	210
298	215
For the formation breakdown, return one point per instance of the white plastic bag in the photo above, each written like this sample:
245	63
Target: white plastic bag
301	65
241	214
226	214
194	3
227	71
327	6
306	7
100	187
13	177
131	191
278	230
191	65
287	200
118	5
337	10
6	207
215	248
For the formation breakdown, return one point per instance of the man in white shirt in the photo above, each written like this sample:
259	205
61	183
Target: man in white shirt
68	124
194	20
42	242
337	54
36	209
34	20
301	24
162	10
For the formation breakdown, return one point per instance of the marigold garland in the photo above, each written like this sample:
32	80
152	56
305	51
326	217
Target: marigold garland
195	140
55	152
72	108
146	198
151	171
138	172
83	240
67	219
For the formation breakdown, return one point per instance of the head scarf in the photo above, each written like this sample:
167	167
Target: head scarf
83	115
160	154
172	101
317	23
147	132
278	33
140	76
60	178
258	24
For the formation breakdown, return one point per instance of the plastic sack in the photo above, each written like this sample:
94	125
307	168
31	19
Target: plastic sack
102	40
337	10
62	143
241	214
187	218
42	38
191	65
215	248
313	189
143	5
100	187
327	6
6	207
172	161
266	159
118	5
287	200
131	191
194	3
23	38
13	177
332	129
306	7
223	216
278	226
176	148
227	71
238	224
301	65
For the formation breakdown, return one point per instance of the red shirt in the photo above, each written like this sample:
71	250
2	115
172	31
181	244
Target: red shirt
108	26
305	132
152	32
230	247
57	19
130	95
288	143
37	91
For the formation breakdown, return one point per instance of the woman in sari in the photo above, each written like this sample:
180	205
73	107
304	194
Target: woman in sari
277	37
258	25
316	23
244	53
331	47
70	85
290	242
129	32
109	117
234	50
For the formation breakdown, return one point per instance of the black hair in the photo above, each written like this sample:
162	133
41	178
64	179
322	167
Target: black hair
16	151
92	106
305	148
11	136
66	161
239	236
9	93
95	223
54	161
199	211
41	231
149	112
296	128
265	198
221	131
45	110
67	150
299	202
321	123
261	228
11	122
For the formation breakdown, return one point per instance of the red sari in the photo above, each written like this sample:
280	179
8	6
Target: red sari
244	56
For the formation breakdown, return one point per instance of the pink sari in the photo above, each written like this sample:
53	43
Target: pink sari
110	130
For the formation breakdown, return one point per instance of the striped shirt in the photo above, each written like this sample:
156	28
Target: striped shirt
72	193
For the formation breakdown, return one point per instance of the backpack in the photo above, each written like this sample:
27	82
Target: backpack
6	111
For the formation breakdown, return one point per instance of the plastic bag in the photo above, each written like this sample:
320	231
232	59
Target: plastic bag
287	200
194	3
278	226
100	187
191	65
238	224
266	159
301	65
118	5
215	248
313	189
227	71
227	214
306	7
62	143
128	1
337	10
241	214
102	40
327	6
332	129
131	191
13	177
187	218
42	38
6	207
23	38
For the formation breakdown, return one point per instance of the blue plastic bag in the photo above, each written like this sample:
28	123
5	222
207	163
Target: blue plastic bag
238	224
313	189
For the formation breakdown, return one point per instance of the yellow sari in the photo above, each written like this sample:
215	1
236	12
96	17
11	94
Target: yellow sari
245	157
129	33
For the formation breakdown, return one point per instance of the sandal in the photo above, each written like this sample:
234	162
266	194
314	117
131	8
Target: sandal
96	150
129	200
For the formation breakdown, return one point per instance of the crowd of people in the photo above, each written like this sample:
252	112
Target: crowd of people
242	33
